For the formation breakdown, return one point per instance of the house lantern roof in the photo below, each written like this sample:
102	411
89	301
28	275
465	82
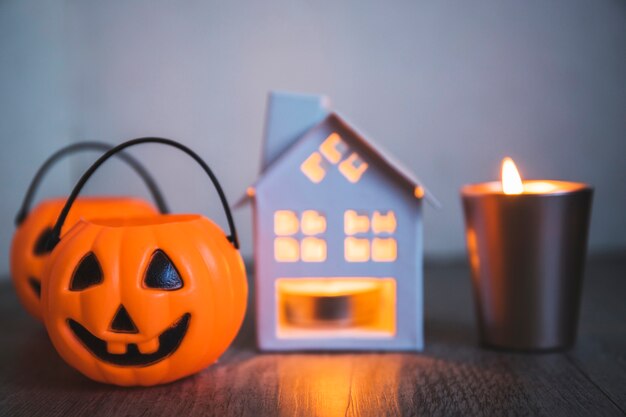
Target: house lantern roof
304	115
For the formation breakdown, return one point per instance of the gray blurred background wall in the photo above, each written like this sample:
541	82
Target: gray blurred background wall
448	87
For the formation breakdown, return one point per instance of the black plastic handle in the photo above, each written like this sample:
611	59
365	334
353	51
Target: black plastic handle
87	146
56	230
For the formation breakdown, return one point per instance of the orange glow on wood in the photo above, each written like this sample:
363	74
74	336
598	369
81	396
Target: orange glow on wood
353	168
313	223
313	169
285	223
384	223
511	180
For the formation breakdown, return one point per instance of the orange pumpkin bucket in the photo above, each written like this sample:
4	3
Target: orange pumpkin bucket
28	254
143	301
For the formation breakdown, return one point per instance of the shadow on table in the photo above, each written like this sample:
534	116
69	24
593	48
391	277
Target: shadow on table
450	333
39	366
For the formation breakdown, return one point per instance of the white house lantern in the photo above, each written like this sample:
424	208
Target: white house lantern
337	236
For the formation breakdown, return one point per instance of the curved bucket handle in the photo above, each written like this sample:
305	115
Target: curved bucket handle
56	230
79	147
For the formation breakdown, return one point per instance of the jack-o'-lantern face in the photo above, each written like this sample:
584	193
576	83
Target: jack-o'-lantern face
144	301
28	249
161	274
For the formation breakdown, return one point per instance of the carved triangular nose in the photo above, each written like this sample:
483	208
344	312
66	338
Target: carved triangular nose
122	323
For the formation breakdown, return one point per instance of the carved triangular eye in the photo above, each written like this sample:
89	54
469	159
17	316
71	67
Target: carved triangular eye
162	273
87	274
41	247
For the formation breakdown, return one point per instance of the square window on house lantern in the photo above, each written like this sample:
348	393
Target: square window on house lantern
384	249
333	148
353	168
298	239
313	223
286	249
384	223
338	236
354	222
356	250
313	168
313	249
285	223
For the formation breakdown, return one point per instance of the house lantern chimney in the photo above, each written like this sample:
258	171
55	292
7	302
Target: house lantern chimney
289	115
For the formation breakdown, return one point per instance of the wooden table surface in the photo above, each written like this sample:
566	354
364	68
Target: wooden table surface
453	376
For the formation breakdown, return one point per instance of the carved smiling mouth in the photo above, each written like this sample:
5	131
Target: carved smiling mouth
169	341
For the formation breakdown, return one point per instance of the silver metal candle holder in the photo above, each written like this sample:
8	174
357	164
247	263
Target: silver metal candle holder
527	256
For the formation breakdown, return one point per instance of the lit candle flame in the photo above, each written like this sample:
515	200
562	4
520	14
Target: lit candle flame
511	180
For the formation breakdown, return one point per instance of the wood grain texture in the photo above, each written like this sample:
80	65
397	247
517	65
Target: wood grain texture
601	349
453	376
